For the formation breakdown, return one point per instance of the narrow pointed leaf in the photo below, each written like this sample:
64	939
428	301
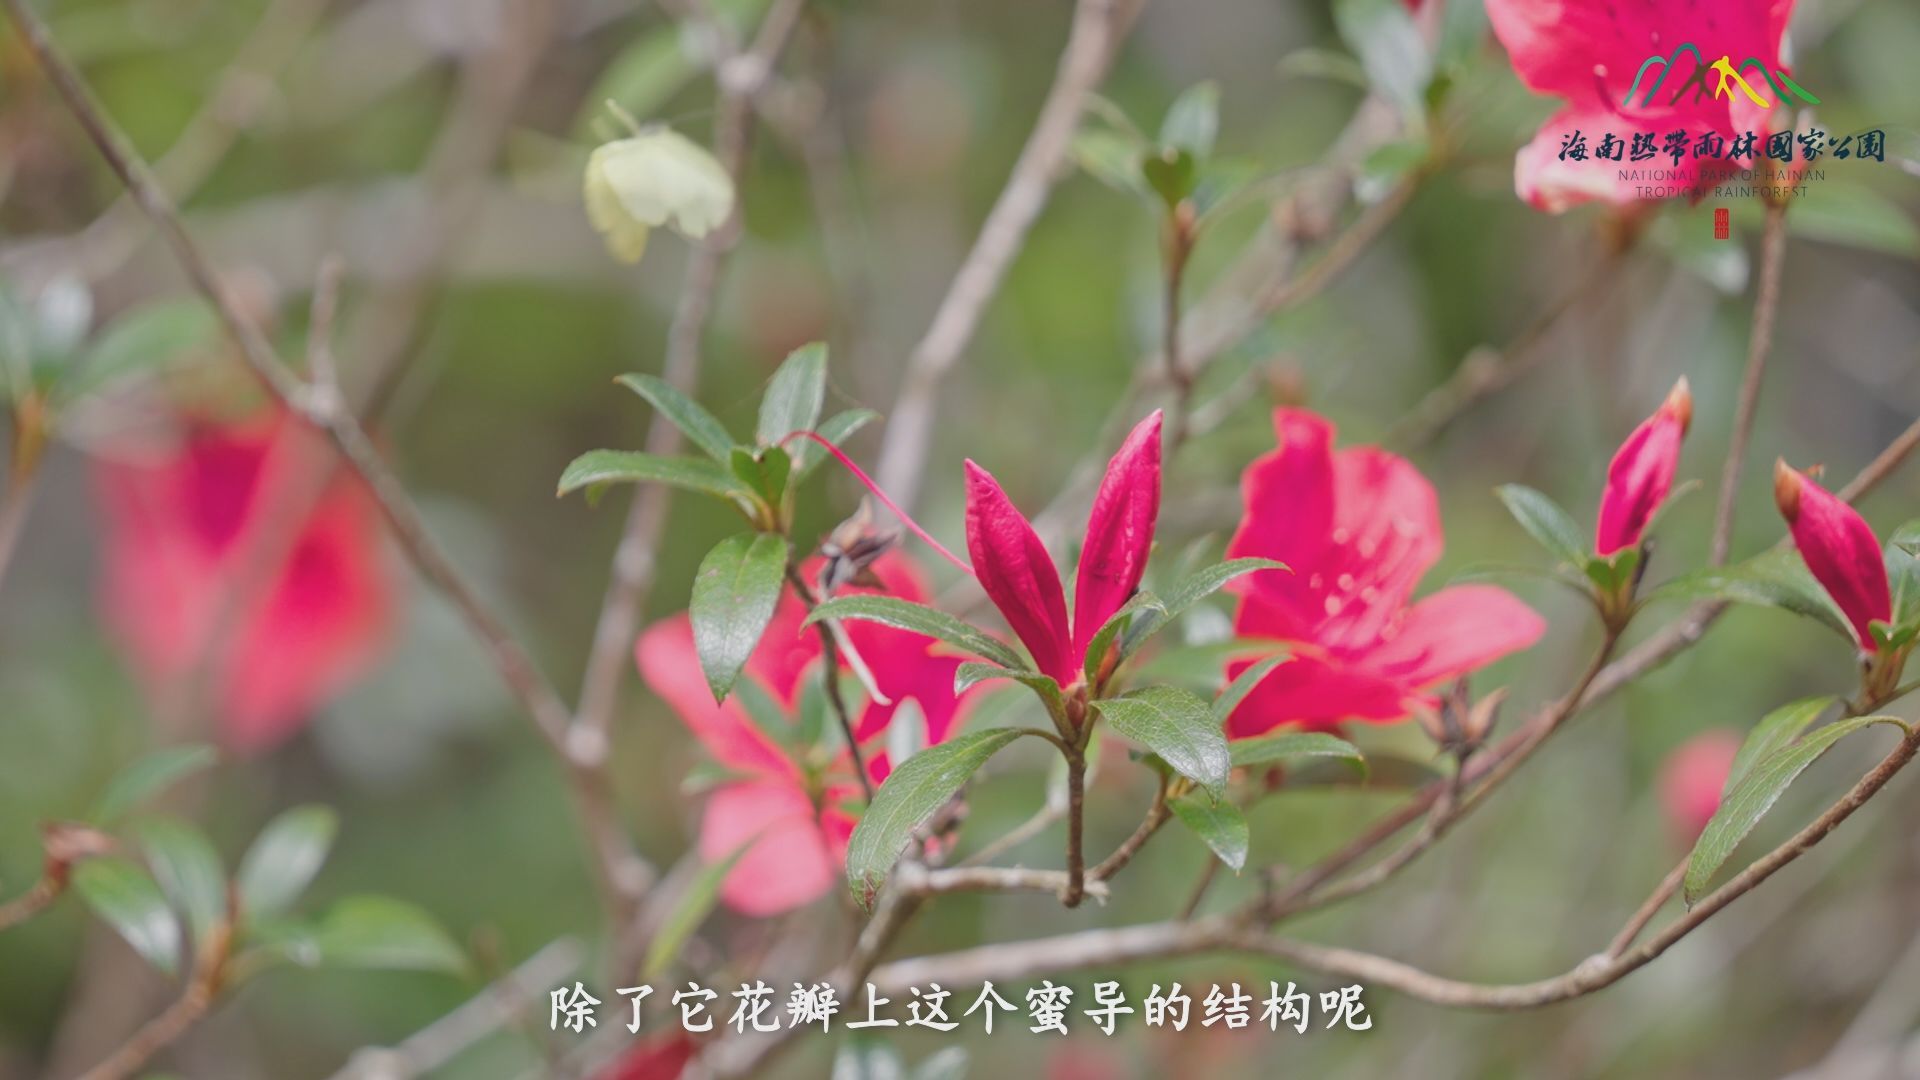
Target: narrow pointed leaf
1750	799
793	399
1775	579
1775	730
284	859
973	672
125	898
836	429
1216	821
146	777
383	933
1117	624
921	619
633	467
734	594
689	912
1193	120
1187	592
1266	749
1176	724
188	871
1242	685
911	795
1547	523
695	422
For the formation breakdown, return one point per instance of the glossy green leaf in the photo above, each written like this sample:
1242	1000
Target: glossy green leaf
1750	799
1115	625
734	594
284	859
765	472
188	871
1774	579
1187	592
973	672
911	795
836	429
1216	821
921	619
384	933
694	421
1266	749
1547	523
1242	685
125	898
1775	730
1176	724
145	339
147	776
634	467
793	399
689	911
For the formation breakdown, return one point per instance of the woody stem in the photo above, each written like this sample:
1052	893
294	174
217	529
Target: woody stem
1076	889
830	678
1766	307
1179	244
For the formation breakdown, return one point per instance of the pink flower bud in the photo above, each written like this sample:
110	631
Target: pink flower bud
1642	472
1840	550
1691	780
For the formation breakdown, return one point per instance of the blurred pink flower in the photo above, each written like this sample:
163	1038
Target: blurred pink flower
1589	53
1642	473
1019	576
1358	528
662	1057
1840	550
184	529
1691	780
801	847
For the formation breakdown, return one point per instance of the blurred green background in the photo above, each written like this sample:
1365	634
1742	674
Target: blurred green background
447	799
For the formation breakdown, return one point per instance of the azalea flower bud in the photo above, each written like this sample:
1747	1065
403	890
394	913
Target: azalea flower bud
1641	474
1692	778
1840	550
656	177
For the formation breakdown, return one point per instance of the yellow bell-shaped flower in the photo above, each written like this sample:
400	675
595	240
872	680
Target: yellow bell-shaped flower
656	177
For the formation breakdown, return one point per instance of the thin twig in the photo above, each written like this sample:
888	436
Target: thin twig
1157	815
830	678
1648	908
32	902
1098	28
1766	309
162	1031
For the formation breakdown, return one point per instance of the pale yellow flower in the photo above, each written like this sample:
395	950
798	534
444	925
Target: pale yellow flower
656	177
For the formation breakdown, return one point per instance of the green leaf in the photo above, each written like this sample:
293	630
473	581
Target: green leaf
921	619
1775	730
1216	821
1773	579
734	594
1116	624
949	1063
1546	522
1193	120
694	421
973	672
284	859
125	898
1170	174
1113	158
1265	749
384	933
188	869
146	777
793	399
641	77
765	472
1187	592
911	795
836	429
1242	685
145	339
1755	794
1176	724
689	912
1390	47
1903	572
633	467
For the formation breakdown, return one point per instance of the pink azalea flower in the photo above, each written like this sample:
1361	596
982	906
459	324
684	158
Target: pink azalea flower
183	528
1589	53
1019	576
662	1057
801	845
1642	473
1840	550
1691	780
1358	528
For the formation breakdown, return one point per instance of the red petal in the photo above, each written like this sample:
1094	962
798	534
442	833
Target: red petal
1639	478
1455	631
1313	693
789	865
670	667
1018	574
1842	553
1288	499
1119	533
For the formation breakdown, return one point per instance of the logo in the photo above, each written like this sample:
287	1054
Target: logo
1728	78
1722	223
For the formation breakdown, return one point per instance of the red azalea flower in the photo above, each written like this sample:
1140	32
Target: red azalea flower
663	1057
1840	550
1018	574
184	528
1691	780
801	847
1357	528
1642	473
1589	52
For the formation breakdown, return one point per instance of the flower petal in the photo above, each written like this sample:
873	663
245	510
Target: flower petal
1287	496
1840	550
670	667
789	865
1018	574
1641	474
1455	631
1315	694
1119	533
